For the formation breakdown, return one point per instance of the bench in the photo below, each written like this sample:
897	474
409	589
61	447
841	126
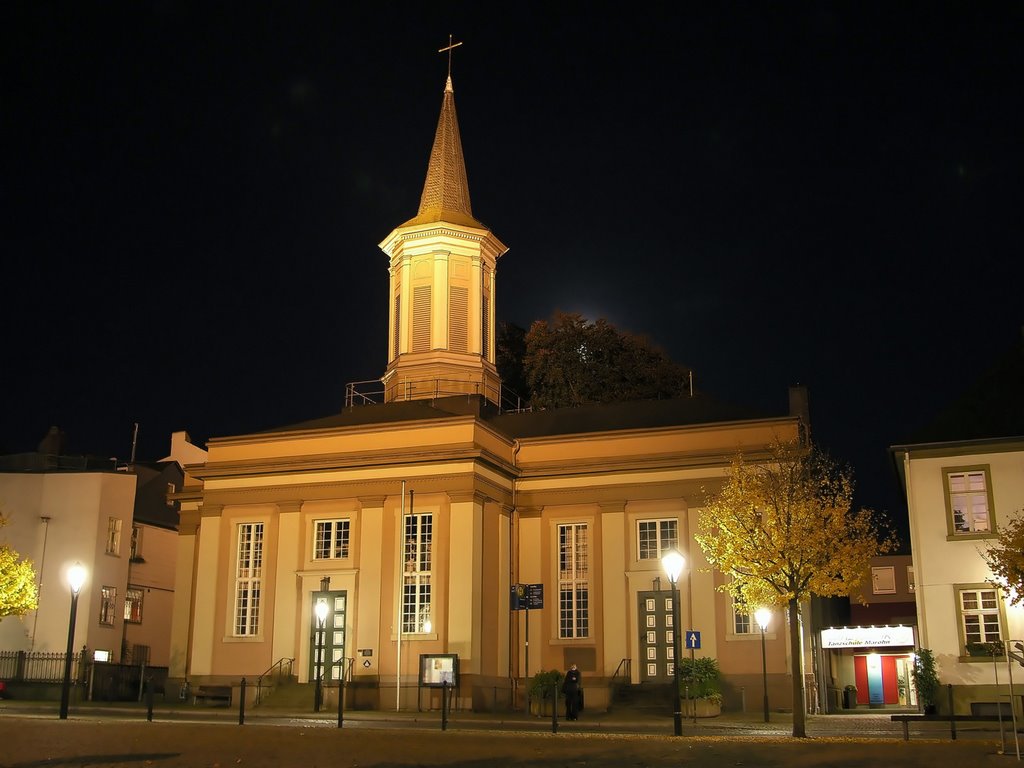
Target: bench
906	720
219	695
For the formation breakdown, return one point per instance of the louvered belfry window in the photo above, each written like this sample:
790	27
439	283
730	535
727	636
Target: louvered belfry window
398	327
421	318
485	328
458	329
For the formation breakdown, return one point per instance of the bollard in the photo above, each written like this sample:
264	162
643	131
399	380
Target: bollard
554	708
444	705
952	718
149	699
241	703
341	700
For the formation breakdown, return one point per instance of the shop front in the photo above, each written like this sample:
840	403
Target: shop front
870	666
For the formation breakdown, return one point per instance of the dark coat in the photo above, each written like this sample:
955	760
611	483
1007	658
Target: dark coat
572	681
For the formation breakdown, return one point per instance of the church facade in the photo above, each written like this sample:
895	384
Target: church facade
424	526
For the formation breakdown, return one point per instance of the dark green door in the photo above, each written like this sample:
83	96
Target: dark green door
656	636
327	651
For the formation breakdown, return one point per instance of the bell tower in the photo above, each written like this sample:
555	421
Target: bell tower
442	267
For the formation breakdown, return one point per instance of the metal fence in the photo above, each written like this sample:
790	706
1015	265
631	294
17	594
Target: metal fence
38	667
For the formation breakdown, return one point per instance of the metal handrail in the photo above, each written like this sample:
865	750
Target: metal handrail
375	391
625	666
278	671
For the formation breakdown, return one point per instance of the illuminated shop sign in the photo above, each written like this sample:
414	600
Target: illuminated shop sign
867	637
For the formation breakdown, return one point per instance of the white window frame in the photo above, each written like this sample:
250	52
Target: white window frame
979	614
331	539
108	605
573	581
417	570
883	580
113	536
135	547
970	511
133	601
742	619
248	579
655	536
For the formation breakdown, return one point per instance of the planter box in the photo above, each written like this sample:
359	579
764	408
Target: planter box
540	707
704	707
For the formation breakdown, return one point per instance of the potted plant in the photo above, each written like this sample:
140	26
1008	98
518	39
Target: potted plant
926	680
990	649
850	697
542	690
699	679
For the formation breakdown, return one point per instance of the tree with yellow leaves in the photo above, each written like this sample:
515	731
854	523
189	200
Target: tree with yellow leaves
1006	559
784	529
17	581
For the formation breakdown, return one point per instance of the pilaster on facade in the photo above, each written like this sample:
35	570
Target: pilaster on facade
465	580
290	552
615	506
205	632
366	600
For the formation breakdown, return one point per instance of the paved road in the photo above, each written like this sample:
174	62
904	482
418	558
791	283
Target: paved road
88	740
120	737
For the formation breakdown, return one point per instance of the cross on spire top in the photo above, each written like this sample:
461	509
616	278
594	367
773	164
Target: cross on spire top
449	48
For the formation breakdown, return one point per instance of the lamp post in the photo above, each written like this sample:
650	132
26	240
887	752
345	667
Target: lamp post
763	616
76	578
320	662
673	563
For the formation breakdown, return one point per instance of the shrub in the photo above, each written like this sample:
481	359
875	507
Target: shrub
699	678
926	679
542	683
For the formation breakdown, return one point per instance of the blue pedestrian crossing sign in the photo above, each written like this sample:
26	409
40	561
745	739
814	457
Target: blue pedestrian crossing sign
692	639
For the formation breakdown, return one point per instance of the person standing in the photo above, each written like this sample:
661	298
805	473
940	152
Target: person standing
572	688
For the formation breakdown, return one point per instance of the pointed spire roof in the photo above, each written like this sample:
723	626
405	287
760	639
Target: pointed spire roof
446	191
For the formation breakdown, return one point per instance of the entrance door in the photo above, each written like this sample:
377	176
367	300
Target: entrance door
327	643
657	656
905	681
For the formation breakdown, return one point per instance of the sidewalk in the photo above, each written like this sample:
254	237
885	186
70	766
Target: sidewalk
622	720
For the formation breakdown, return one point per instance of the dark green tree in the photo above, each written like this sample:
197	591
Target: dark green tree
570	362
509	352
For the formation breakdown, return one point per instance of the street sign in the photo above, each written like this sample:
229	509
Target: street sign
535	596
527	596
692	639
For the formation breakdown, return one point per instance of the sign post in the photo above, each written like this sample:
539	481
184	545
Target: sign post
693	643
525	597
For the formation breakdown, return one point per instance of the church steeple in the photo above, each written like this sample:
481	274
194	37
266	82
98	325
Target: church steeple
442	276
446	190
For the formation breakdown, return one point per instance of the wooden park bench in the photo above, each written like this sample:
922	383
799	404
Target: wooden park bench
219	695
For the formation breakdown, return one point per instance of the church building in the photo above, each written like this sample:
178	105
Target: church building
398	544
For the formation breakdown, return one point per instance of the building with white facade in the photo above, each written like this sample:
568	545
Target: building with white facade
115	520
959	495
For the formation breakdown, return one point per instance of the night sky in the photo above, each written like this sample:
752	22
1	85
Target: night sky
191	197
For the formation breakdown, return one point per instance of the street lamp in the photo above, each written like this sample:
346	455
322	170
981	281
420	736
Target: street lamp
320	662
673	562
76	578
763	616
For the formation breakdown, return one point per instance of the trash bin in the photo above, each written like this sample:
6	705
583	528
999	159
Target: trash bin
849	697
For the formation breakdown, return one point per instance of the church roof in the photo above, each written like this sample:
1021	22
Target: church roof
446	190
610	417
629	415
